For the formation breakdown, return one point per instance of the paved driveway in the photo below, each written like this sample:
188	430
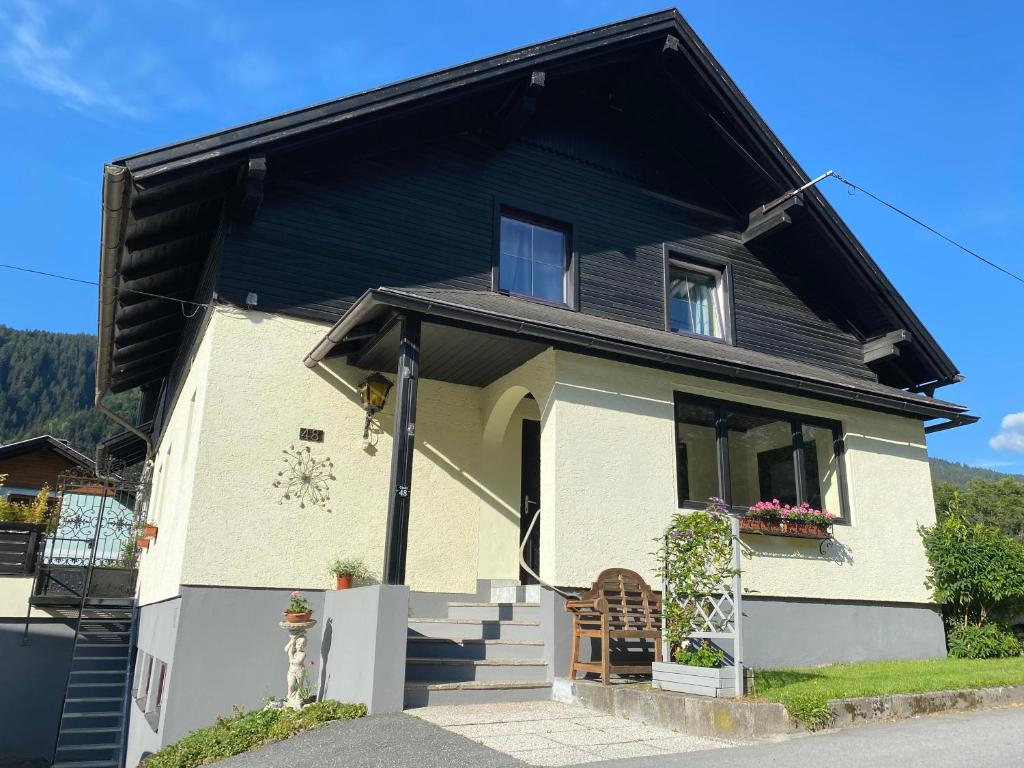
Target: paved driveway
551	733
990	739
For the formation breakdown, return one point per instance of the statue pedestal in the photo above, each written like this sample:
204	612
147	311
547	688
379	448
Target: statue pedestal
296	650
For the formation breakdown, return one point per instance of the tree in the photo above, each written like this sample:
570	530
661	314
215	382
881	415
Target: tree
976	571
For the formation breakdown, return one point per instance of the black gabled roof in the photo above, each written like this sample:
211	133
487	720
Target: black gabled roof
535	322
48	443
176	194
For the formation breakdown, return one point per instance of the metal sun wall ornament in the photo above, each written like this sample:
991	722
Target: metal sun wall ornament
305	478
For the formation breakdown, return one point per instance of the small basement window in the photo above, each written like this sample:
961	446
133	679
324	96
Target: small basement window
696	300
534	258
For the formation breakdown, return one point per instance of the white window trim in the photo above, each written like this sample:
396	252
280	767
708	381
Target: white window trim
719	293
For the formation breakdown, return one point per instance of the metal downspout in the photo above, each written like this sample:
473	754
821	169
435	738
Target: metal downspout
112	227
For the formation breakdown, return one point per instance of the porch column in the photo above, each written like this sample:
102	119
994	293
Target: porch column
397	535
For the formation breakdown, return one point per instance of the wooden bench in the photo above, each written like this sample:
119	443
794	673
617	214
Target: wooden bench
619	606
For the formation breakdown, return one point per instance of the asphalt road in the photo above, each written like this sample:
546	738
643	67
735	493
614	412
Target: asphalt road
975	740
971	740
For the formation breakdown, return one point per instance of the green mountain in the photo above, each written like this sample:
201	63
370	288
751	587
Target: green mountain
47	381
961	474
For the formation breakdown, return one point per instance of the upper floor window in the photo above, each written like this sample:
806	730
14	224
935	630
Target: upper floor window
696	300
533	259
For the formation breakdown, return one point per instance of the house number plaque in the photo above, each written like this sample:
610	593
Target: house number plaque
311	435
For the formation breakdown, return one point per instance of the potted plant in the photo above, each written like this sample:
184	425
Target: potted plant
149	531
763	517
697	564
298	611
807	521
142	543
347	570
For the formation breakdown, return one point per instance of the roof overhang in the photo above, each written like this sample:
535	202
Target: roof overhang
47	443
546	326
161	207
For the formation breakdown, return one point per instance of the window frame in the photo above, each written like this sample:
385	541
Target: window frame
537	216
721	271
723	408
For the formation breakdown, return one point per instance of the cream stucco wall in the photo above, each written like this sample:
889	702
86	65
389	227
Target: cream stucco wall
608	485
233	525
615	487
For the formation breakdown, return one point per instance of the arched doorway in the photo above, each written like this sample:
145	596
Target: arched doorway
512	439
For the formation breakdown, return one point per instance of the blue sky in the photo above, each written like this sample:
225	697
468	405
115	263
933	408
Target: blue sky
920	102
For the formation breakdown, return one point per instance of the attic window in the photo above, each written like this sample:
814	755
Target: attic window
533	258
696	300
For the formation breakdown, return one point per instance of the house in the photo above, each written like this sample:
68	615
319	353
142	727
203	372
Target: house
586	271
29	465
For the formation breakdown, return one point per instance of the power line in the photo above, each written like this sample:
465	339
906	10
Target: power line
94	283
920	223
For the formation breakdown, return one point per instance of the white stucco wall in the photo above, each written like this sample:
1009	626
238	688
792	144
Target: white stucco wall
257	395
608	485
173	479
615	487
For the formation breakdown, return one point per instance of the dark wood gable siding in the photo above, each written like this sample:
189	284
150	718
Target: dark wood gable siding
425	217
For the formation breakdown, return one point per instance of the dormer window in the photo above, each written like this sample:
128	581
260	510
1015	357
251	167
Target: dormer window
534	258
697	300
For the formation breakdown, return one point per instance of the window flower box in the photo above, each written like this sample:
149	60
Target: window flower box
772	518
716	682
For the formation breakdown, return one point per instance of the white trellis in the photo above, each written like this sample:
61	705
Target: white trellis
719	615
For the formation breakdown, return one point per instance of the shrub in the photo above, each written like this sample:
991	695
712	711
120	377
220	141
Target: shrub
976	571
248	730
985	641
351	566
706	655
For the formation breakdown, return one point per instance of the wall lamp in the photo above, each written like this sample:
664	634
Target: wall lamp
373	392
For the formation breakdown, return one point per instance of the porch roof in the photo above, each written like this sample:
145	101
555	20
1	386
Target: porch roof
527	327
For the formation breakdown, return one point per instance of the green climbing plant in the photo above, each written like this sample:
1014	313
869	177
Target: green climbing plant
696	559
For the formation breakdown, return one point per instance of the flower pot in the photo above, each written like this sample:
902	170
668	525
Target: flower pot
298	618
760	525
143	543
344	581
149	531
804	528
716	682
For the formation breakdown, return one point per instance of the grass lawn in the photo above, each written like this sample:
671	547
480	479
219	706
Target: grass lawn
805	692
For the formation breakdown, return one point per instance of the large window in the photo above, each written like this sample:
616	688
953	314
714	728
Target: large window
533	258
745	454
696	302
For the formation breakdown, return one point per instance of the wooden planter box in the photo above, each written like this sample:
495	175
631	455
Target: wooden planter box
703	681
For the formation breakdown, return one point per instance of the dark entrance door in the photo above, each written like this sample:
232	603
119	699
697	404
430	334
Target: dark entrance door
529	495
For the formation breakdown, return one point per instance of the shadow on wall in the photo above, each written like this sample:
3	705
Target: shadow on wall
32	690
827	550
325	655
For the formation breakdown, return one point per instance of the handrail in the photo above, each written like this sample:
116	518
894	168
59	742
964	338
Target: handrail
523	564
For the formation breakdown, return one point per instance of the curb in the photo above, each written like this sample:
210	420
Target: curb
759	720
899	706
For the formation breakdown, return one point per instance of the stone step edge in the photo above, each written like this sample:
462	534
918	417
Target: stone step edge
478	662
502	622
493	605
476	685
471	641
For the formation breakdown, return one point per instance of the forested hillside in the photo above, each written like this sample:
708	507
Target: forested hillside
961	474
47	385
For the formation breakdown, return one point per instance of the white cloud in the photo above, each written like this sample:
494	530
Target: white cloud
29	48
1011	436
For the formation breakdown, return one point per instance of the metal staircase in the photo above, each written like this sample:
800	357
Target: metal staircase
93	721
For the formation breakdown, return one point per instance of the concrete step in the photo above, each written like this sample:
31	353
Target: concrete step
473	648
113	763
89	751
475	628
419	670
474	692
495	611
107	735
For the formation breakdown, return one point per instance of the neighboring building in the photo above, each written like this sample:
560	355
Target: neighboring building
31	464
582	266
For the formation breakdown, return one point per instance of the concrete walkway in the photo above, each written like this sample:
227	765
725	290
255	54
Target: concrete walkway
553	734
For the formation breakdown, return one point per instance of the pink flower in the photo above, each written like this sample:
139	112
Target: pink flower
296	593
